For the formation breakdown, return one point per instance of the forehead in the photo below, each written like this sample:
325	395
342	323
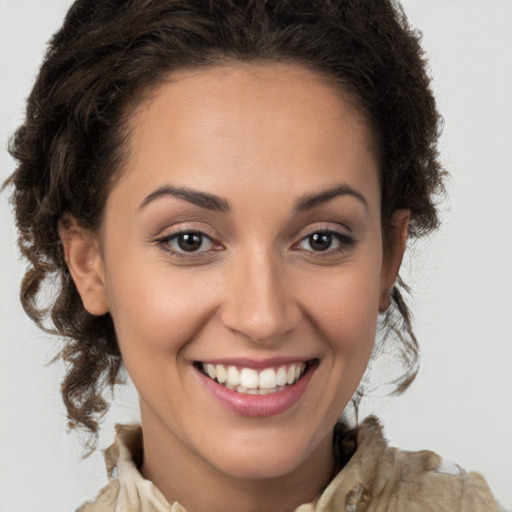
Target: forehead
245	88
271	125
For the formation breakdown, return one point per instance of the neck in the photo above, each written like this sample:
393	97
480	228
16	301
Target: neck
199	486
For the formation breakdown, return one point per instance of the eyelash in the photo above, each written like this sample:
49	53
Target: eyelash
165	241
345	242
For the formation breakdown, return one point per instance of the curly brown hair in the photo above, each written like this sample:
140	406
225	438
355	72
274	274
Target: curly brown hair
108	53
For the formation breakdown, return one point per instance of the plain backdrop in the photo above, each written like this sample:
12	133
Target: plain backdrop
461	403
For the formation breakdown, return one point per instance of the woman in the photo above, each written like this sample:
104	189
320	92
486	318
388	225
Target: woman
225	194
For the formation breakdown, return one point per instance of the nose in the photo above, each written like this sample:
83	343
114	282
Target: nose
260	302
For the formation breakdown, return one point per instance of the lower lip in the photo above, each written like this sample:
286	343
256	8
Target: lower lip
258	405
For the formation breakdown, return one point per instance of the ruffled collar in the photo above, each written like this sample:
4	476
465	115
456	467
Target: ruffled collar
373	477
132	491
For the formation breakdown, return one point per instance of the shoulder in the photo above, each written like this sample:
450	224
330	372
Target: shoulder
433	483
378	477
128	490
105	501
375	477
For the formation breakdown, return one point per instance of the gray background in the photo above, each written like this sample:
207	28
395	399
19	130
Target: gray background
461	403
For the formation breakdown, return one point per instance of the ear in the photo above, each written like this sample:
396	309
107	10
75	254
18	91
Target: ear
393	255
85	264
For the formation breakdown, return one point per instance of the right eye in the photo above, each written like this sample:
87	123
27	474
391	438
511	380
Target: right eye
187	242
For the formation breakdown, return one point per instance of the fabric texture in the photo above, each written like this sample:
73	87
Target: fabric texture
376	478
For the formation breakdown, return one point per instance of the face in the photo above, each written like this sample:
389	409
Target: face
241	259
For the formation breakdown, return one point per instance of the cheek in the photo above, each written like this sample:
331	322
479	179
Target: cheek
345	309
156	311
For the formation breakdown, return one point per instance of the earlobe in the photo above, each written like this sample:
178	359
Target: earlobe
393	255
85	264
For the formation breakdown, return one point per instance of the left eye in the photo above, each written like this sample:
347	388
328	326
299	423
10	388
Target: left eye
322	241
189	241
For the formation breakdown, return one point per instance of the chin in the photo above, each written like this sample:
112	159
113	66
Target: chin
266	455
261	466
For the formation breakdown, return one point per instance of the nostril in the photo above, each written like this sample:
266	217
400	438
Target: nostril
260	323
258	302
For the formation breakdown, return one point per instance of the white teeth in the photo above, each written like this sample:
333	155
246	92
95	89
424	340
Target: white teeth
267	379
249	378
210	369
233	376
281	376
249	381
290	375
221	373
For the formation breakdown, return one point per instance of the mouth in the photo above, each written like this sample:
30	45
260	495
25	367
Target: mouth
252	381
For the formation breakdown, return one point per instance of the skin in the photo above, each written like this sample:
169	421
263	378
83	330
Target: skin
261	137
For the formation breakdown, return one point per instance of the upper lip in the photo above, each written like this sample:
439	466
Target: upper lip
246	362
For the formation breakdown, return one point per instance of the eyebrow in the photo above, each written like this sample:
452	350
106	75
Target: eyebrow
218	204
202	199
310	201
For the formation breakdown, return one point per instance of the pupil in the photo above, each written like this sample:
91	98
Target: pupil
190	241
320	241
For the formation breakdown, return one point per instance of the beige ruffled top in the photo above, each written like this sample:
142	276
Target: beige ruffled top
376	478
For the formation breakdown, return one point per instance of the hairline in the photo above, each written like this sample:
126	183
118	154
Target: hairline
144	93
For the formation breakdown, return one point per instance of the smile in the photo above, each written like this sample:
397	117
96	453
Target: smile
250	381
256	388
